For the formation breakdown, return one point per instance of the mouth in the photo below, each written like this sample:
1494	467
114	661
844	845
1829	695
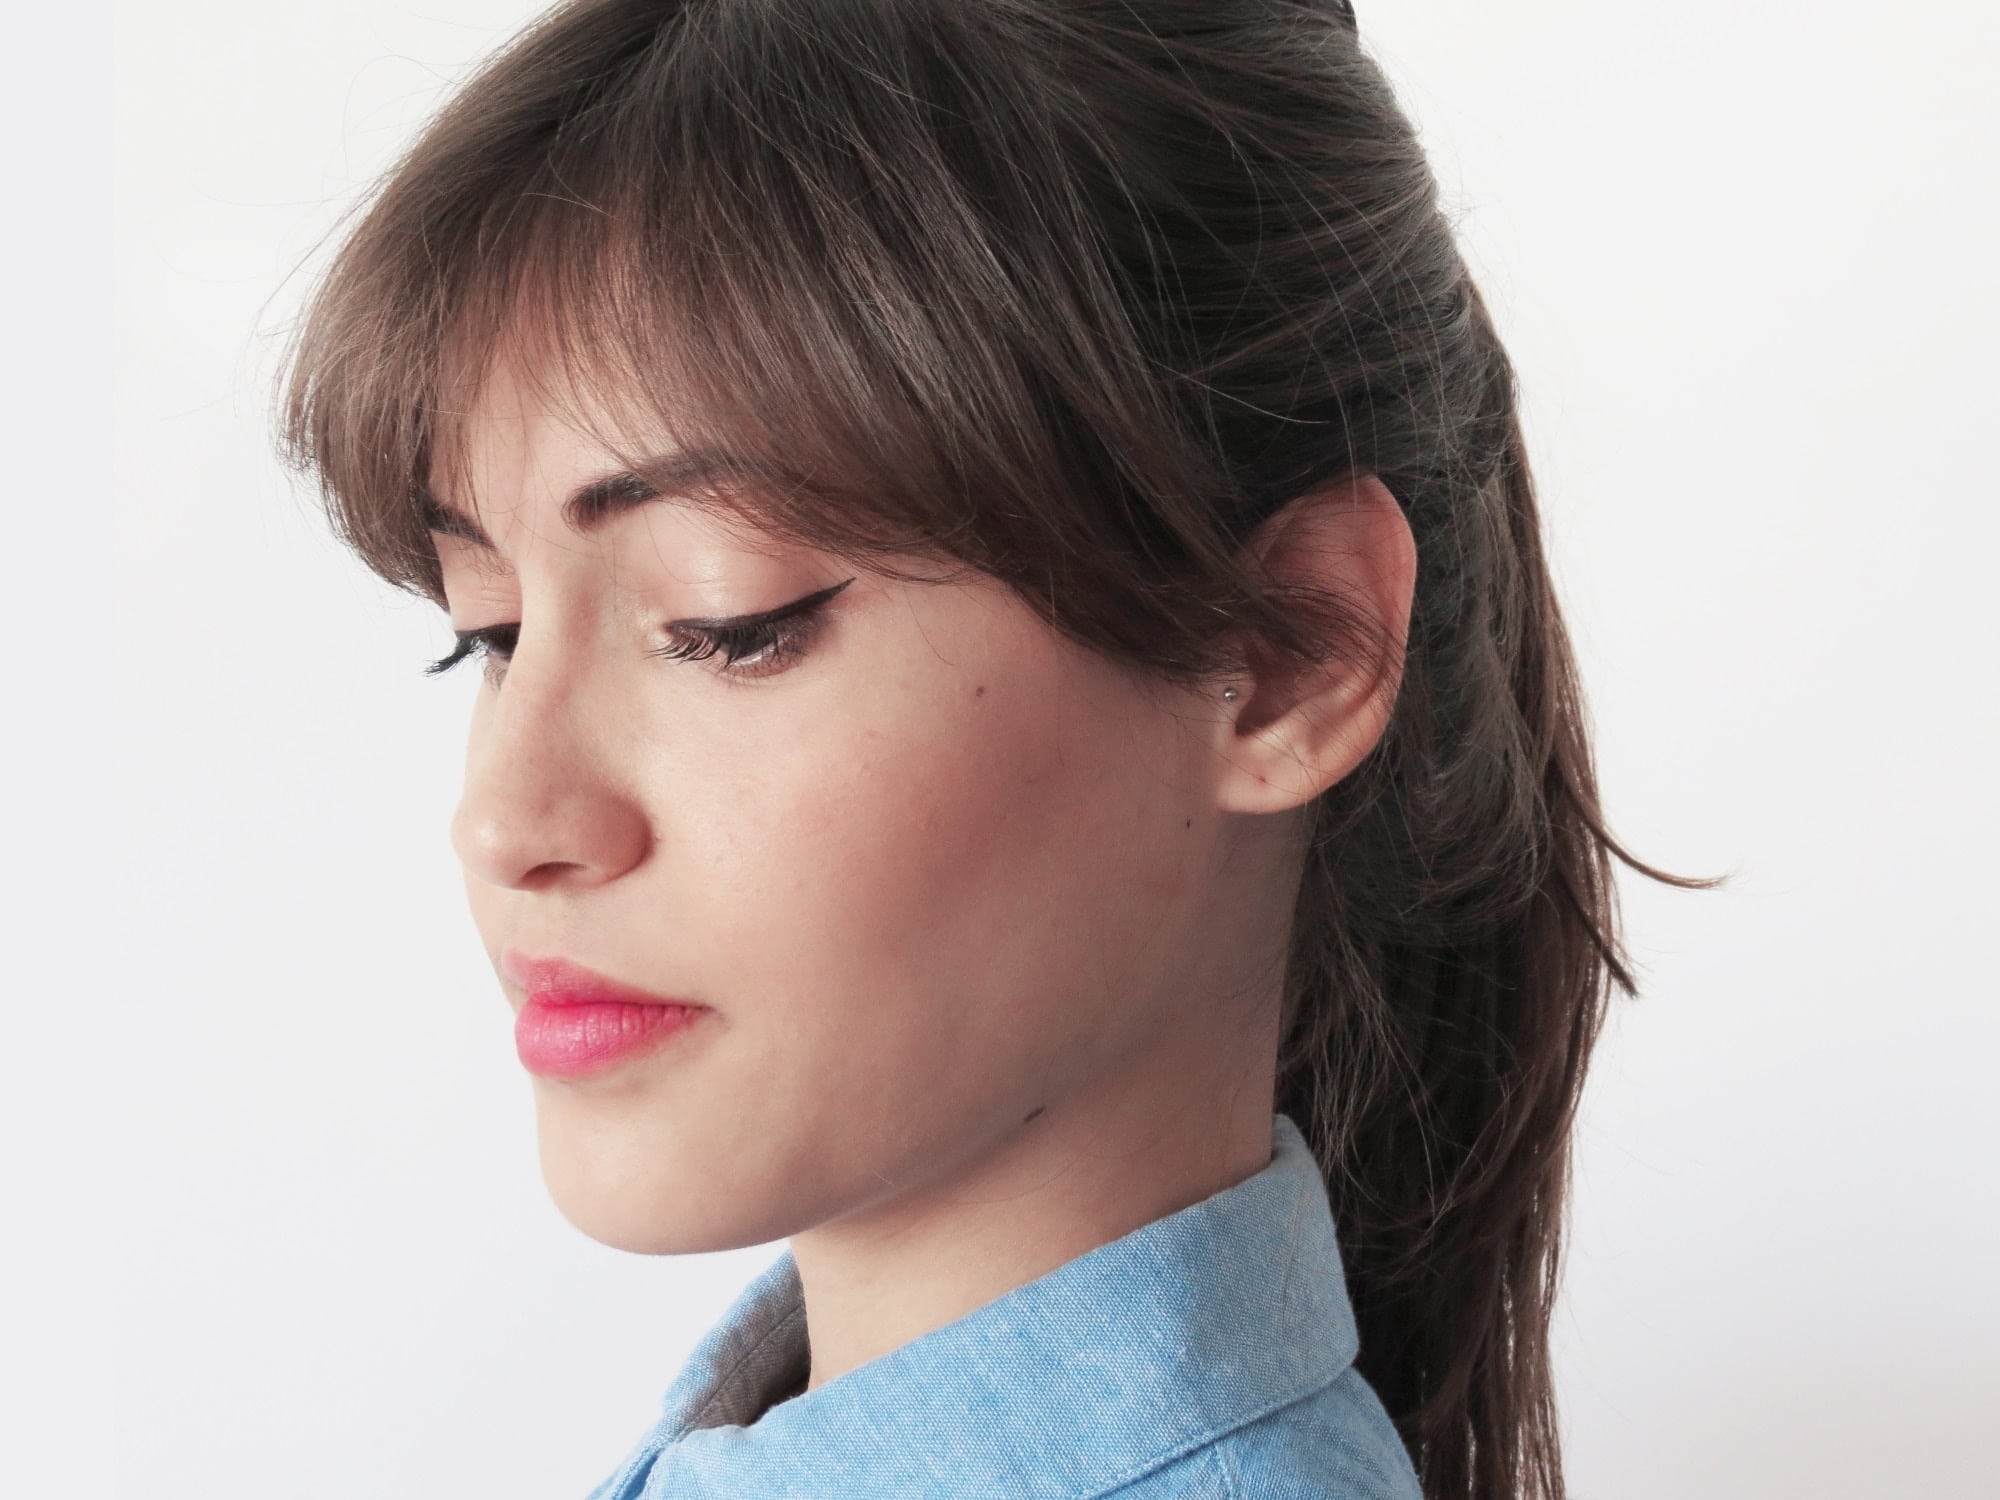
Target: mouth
577	1022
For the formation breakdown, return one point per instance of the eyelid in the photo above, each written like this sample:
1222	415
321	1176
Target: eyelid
762	616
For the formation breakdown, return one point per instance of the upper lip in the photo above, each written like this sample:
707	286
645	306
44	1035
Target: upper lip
563	981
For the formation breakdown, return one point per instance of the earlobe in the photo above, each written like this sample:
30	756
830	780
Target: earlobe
1291	732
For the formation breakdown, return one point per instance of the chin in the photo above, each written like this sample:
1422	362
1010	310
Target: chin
615	1226
632	1199
646	1218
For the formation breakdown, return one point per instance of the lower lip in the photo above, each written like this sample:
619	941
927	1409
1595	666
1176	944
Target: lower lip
575	1041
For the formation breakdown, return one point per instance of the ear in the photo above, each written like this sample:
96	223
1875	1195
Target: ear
1294	731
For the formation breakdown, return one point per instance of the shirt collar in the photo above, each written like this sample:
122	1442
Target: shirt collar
1110	1365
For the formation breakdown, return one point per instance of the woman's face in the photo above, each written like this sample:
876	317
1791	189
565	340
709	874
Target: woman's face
927	866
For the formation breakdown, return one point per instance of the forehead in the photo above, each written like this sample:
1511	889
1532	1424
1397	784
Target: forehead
537	421
507	447
511	423
522	442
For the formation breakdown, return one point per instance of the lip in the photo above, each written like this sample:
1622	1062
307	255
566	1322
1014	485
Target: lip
577	1022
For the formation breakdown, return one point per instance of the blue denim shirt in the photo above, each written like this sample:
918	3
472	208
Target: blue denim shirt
1208	1355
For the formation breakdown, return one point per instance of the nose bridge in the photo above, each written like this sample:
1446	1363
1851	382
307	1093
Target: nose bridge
538	792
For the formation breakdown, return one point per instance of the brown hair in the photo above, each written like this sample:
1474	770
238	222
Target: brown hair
1078	293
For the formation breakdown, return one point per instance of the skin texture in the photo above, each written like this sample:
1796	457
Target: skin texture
992	931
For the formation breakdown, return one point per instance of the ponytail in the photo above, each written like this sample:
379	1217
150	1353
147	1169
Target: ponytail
1454	945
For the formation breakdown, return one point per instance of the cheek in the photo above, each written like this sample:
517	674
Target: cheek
948	917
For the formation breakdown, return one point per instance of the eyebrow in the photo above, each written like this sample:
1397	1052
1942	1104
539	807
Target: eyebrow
668	477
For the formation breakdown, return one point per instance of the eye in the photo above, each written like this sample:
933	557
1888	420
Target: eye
495	642
759	645
753	646
768	648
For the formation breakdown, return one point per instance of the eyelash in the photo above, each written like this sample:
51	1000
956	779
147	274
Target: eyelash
777	637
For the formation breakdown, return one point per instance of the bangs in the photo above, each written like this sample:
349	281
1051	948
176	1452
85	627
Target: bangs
727	237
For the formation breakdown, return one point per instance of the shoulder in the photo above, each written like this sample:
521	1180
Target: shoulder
1335	1444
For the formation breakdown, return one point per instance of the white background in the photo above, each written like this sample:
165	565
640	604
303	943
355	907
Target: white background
276	1226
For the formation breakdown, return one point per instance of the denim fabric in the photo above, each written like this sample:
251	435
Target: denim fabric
1207	1355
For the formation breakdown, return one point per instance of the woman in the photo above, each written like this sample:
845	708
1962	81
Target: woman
1027	746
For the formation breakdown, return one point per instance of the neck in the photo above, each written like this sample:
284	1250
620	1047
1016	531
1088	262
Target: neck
1045	1189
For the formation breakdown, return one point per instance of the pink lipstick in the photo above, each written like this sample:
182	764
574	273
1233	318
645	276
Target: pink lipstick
578	1022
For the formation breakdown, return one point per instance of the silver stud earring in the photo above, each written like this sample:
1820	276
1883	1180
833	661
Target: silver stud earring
1229	695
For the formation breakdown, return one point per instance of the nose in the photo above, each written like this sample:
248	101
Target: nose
541	803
